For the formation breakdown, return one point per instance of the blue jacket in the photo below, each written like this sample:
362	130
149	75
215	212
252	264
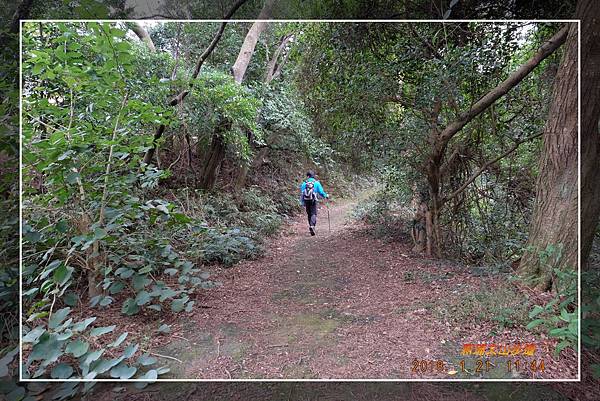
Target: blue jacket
318	188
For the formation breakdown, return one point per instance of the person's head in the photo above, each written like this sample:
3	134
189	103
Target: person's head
310	174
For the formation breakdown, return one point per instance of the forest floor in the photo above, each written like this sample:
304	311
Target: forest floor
344	304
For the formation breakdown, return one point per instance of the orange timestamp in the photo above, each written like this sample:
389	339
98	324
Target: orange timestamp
509	350
478	366
512	365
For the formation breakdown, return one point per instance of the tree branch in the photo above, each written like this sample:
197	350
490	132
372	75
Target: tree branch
179	98
544	51
485	167
273	67
434	52
143	35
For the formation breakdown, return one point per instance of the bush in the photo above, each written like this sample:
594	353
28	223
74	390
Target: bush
560	316
227	246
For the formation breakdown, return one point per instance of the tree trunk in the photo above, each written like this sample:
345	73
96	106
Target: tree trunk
434	163
143	35
182	95
243	59
239	70
214	157
439	139
554	221
589	13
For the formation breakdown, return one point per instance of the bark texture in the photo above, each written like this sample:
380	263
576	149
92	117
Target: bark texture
214	157
589	13
554	220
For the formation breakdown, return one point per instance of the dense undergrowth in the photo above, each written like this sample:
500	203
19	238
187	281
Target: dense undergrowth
103	228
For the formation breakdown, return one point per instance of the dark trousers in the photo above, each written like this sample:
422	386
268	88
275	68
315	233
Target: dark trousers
311	212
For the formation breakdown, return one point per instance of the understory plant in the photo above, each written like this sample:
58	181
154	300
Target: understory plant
560	316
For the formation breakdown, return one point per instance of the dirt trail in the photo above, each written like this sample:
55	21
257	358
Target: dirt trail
338	305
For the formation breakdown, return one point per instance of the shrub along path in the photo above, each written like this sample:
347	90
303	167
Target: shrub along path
344	304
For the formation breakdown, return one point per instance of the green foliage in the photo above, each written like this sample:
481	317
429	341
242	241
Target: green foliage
63	349
559	316
288	126
225	230
86	215
217	98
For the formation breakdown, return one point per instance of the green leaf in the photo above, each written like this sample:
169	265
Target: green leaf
81	326
536	311
163	370
178	304
77	348
123	371
119	340
146	360
561	345
167	293
62	274
104	365
124	272
534	323
130	307
139	282
92	356
95	300
99	233
61	371
130	351
33	335
557	332
142	298
116	287
71	298
72	177
150	375
107	300
165	328
57	317
48	349
65	335
98	331
62	226
564	315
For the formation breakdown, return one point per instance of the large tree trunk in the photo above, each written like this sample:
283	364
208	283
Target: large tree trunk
238	70
554	221
589	13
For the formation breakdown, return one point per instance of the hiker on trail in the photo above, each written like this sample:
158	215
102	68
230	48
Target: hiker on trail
310	190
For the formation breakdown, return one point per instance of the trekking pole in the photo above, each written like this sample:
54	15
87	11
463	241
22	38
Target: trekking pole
328	219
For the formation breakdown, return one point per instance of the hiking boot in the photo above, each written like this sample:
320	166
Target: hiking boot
312	230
